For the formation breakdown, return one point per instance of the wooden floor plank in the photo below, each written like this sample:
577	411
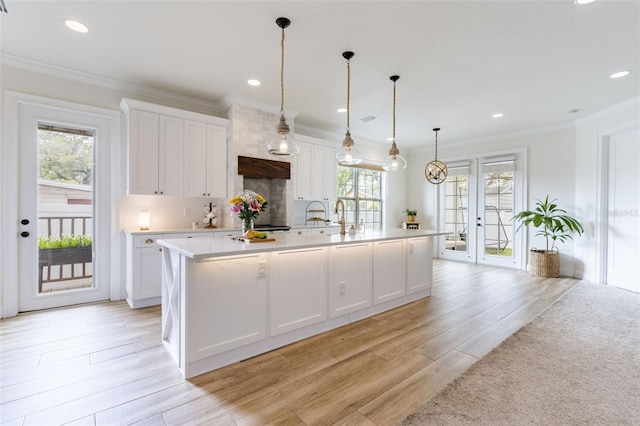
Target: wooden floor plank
104	364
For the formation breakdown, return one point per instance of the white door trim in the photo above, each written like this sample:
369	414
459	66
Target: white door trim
109	170
602	196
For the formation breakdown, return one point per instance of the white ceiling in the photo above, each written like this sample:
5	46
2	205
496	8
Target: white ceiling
459	61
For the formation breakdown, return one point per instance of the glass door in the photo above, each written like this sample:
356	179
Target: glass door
477	202
57	242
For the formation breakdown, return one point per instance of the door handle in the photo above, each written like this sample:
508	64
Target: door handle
24	234
24	221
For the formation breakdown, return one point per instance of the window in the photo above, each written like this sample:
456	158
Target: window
361	191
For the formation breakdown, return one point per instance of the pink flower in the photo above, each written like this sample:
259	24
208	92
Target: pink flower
237	208
254	206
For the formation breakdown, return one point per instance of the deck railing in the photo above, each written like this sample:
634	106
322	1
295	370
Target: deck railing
66	267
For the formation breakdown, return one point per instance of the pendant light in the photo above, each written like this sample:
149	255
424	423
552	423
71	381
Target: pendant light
436	171
348	153
282	143
394	160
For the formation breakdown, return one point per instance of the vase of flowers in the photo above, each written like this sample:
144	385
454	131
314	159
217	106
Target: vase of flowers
247	205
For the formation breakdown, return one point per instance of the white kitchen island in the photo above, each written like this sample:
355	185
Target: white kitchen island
224	300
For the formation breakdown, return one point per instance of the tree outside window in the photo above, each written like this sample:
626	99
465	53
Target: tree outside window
361	191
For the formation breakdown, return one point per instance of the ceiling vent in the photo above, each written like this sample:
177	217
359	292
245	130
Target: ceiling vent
3	6
366	119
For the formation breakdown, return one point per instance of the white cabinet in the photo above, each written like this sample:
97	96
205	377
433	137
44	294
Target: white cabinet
143	152
175	152
304	175
349	278
389	266
144	270
315	177
226	303
205	159
170	155
419	264
297	289
323	185
144	267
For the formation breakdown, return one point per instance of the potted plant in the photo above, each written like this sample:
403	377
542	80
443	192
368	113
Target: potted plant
555	225
411	214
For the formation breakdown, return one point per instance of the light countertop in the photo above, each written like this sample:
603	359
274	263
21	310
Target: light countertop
222	245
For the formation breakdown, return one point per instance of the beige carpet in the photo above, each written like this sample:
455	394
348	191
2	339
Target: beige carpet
578	363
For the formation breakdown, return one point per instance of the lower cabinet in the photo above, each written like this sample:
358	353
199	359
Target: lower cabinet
297	289
144	270
419	264
388	270
349	278
144	267
227	304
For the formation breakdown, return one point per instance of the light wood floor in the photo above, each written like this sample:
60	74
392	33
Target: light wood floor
103	364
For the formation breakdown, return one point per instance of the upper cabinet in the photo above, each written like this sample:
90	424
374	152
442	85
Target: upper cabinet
315	177
175	152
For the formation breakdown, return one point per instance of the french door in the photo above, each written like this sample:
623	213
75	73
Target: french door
476	204
59	239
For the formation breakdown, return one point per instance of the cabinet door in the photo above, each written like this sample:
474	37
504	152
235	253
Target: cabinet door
143	153
195	159
171	156
303	172
349	278
216	161
419	264
329	178
227	304
146	273
297	290
389	265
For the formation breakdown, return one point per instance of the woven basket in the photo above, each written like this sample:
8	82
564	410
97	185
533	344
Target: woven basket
544	263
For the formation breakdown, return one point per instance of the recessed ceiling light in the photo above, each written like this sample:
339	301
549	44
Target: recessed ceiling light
253	82
583	1
619	74
369	118
76	26
498	115
341	110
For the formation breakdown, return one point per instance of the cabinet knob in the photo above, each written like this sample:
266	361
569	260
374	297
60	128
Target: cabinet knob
203	194
155	192
299	232
24	221
160	249
149	241
24	234
322	232
161	192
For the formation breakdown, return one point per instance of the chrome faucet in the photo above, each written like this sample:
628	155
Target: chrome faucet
341	221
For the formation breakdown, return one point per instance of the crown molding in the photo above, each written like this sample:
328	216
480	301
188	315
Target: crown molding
132	89
231	99
502	136
633	103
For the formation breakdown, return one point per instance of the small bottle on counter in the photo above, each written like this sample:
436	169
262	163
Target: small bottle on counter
193	225
361	226
352	230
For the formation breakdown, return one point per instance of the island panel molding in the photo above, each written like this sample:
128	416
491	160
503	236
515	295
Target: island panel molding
224	301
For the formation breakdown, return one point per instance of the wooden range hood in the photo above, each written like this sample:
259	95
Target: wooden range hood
259	168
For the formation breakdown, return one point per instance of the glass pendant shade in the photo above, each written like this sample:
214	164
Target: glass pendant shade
282	142
394	160
348	153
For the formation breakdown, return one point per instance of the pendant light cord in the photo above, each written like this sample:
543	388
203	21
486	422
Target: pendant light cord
436	146
394	113
348	92
282	73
